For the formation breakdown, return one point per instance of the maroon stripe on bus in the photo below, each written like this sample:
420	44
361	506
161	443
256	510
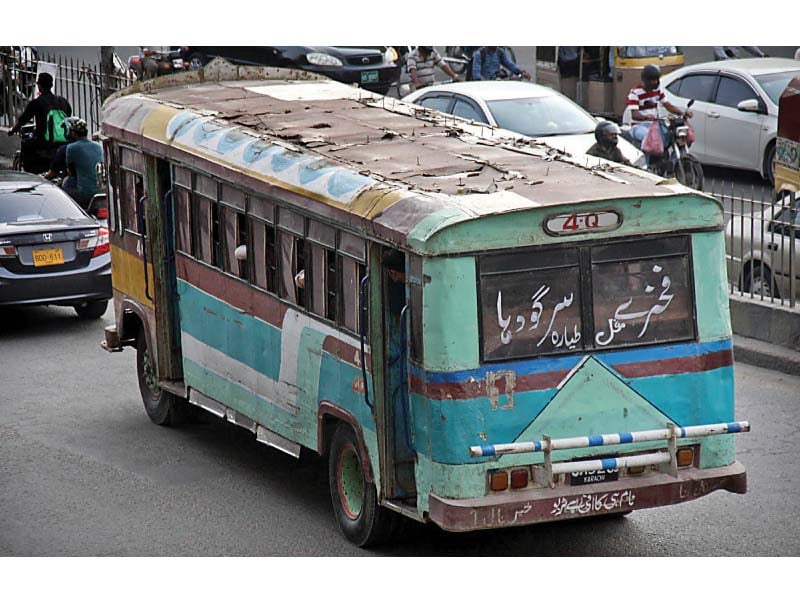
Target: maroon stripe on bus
477	389
231	290
345	352
675	366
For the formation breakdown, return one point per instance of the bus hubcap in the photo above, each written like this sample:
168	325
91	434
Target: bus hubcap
351	482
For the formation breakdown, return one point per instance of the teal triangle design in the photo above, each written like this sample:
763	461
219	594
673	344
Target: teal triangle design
593	401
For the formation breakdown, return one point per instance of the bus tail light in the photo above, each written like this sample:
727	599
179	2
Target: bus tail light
636	470
499	481
685	457
519	478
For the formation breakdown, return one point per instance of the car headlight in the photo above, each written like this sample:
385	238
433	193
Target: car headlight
323	60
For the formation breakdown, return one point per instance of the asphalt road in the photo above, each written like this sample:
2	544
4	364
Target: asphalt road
84	473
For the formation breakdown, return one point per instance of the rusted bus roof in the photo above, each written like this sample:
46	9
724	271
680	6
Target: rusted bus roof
374	162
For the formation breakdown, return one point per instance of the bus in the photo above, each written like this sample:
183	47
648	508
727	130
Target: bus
476	331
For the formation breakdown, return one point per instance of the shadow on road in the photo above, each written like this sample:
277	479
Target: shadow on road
40	321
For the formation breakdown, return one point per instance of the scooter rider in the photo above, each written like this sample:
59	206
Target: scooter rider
49	111
644	100
487	60
607	135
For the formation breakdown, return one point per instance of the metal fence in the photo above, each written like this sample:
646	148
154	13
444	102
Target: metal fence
762	244
84	85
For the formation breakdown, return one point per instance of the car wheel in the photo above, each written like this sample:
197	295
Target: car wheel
355	502
196	60
758	281
92	310
769	164
162	407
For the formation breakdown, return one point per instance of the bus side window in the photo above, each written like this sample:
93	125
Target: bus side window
322	275
352	273
415	305
132	189
182	216
292	268
201	228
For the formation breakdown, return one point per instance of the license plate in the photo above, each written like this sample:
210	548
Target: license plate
369	77
48	257
589	477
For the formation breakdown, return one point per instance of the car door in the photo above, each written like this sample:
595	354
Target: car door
701	88
732	136
783	241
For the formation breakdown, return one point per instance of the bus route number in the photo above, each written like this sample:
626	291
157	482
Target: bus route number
582	222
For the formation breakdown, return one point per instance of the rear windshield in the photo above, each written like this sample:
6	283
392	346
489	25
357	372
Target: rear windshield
587	298
646	51
775	83
30	203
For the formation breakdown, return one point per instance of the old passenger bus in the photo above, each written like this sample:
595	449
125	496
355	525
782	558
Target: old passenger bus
478	332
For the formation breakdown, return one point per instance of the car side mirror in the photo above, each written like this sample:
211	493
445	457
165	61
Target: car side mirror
750	105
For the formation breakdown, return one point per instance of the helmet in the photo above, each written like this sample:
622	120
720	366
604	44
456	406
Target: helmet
606	133
75	127
651	72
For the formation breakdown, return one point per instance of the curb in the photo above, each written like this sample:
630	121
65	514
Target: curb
768	356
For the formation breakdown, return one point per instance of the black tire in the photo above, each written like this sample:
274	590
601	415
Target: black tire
690	173
162	407
758	280
355	503
769	164
92	310
196	60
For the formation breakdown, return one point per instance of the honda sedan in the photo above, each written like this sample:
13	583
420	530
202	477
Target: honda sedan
735	109
51	251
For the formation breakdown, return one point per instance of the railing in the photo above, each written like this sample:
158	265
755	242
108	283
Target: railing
762	244
84	85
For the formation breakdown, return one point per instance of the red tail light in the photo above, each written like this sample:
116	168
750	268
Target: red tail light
102	212
102	243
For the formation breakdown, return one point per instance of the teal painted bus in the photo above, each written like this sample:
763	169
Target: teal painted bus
476	330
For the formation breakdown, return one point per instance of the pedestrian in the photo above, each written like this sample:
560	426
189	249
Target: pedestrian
49	112
420	66
725	52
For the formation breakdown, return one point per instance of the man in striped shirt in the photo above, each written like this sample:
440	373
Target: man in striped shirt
420	64
644	100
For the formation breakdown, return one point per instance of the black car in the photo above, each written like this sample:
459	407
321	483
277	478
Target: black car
51	251
374	69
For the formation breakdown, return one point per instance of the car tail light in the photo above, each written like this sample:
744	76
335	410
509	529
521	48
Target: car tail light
8	251
102	243
499	481
519	478
685	457
102	212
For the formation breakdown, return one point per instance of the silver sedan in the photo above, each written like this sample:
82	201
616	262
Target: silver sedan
735	110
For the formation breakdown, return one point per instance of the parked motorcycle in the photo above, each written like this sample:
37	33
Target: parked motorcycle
676	161
151	63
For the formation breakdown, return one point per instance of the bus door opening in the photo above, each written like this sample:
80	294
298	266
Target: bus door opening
399	429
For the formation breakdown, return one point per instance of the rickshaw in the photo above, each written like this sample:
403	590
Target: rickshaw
787	153
600	77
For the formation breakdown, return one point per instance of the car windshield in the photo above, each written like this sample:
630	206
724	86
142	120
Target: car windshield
774	83
645	51
30	203
543	116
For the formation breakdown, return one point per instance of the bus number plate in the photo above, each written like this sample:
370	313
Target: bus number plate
588	222
588	477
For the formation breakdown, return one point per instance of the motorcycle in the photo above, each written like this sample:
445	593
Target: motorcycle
675	161
151	63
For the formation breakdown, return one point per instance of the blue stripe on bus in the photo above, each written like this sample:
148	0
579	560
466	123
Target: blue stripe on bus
595	440
537	446
683	432
626	438
609	463
487	451
734	428
544	365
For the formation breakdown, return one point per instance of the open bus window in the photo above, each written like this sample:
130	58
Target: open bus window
323	282
352	272
132	189
292	267
264	256
201	229
182	217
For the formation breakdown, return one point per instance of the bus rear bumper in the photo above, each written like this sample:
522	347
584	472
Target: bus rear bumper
539	505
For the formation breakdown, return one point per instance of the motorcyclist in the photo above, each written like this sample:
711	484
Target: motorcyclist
82	157
487	60
643	101
58	167
38	151
420	66
607	135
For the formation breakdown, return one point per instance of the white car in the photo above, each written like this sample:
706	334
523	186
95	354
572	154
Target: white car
735	109
524	108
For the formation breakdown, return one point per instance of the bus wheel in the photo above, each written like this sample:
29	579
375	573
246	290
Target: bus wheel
355	504
161	406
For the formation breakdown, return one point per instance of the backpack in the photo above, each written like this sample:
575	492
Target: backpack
54	130
472	59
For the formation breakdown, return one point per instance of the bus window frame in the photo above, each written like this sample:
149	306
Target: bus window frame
586	261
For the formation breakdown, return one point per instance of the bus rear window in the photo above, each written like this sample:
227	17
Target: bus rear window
586	298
